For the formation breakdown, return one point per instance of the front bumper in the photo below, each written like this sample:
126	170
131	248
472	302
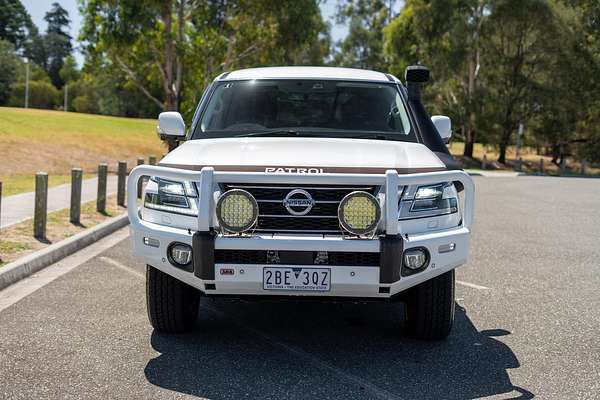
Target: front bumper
371	281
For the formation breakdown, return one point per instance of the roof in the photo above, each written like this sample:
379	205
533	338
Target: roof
307	73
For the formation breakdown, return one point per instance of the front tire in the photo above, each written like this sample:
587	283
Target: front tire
430	308
172	305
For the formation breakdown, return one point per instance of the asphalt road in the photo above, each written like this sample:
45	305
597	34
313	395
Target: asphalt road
528	323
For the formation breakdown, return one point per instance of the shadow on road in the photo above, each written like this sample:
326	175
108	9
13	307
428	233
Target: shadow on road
316	351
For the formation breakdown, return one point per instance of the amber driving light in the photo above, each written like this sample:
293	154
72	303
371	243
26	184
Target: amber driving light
359	213
237	211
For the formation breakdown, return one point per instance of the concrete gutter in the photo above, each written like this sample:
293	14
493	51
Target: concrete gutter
32	263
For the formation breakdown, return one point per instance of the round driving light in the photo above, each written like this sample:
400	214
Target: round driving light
415	258
180	254
237	210
359	213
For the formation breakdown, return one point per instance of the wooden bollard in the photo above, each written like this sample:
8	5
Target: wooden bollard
563	166
484	162
583	167
122	174
140	186
541	166
101	198
152	160
41	205
520	164
75	210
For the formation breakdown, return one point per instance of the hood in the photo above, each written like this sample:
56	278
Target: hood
304	155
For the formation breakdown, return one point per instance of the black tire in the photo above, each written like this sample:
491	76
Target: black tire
172	305
430	308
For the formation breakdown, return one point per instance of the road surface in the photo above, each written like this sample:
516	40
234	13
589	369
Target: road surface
527	325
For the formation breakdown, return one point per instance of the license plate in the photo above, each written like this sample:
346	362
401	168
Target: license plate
297	278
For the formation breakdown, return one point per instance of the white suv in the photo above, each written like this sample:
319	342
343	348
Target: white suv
305	182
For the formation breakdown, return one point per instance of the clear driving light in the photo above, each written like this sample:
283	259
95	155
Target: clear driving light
429	201
415	258
170	196
359	213
237	210
180	254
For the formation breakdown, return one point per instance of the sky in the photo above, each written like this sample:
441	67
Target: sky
37	9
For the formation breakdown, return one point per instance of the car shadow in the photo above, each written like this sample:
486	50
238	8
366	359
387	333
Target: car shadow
314	351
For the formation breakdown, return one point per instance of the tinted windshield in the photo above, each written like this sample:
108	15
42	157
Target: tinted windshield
323	108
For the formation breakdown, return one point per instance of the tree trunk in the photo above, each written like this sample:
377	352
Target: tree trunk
503	146
469	141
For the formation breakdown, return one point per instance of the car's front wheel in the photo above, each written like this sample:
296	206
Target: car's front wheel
430	308
172	305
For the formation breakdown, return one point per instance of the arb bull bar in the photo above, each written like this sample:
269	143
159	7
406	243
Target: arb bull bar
390	243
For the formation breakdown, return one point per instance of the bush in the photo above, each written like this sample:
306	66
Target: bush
41	95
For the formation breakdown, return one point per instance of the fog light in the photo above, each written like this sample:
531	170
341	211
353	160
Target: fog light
415	258
180	254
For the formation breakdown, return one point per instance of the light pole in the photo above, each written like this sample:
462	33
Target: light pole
26	83
66	95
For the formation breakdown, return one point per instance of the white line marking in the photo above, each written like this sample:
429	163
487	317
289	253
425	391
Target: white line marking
122	266
307	357
21	289
472	285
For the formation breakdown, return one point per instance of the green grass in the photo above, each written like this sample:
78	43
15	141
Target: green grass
54	141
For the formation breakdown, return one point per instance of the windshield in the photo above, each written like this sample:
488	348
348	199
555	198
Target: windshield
305	107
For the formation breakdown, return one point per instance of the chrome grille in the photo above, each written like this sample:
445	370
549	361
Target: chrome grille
322	218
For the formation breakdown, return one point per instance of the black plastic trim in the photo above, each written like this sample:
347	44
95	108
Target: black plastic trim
391	258
203	246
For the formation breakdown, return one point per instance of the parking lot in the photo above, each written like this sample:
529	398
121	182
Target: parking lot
527	325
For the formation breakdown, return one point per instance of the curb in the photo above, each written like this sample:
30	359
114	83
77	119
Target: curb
32	263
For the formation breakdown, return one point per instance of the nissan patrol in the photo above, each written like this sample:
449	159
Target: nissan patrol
305	182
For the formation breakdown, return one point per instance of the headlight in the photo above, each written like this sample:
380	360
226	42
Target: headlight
429	201
237	210
359	213
170	196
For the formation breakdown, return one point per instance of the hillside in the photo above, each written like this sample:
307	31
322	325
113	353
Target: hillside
34	140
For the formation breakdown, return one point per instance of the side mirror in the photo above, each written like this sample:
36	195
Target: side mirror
170	125
443	126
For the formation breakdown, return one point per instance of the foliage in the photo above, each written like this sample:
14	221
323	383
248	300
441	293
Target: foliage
9	63
170	50
15	25
57	42
41	95
363	46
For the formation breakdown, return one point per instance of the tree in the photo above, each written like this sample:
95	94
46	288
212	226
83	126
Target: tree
15	25
9	63
363	46
446	36
57	42
177	43
521	41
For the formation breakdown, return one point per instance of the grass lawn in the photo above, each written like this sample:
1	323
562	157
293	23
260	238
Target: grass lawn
17	240
54	141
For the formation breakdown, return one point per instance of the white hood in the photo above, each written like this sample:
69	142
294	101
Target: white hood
303	155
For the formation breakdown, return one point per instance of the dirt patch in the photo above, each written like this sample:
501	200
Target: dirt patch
17	240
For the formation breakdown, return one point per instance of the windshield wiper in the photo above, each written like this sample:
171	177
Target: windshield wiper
276	132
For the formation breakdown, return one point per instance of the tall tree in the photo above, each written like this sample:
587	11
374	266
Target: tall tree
521	41
184	42
15	25
446	36
363	46
57	42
